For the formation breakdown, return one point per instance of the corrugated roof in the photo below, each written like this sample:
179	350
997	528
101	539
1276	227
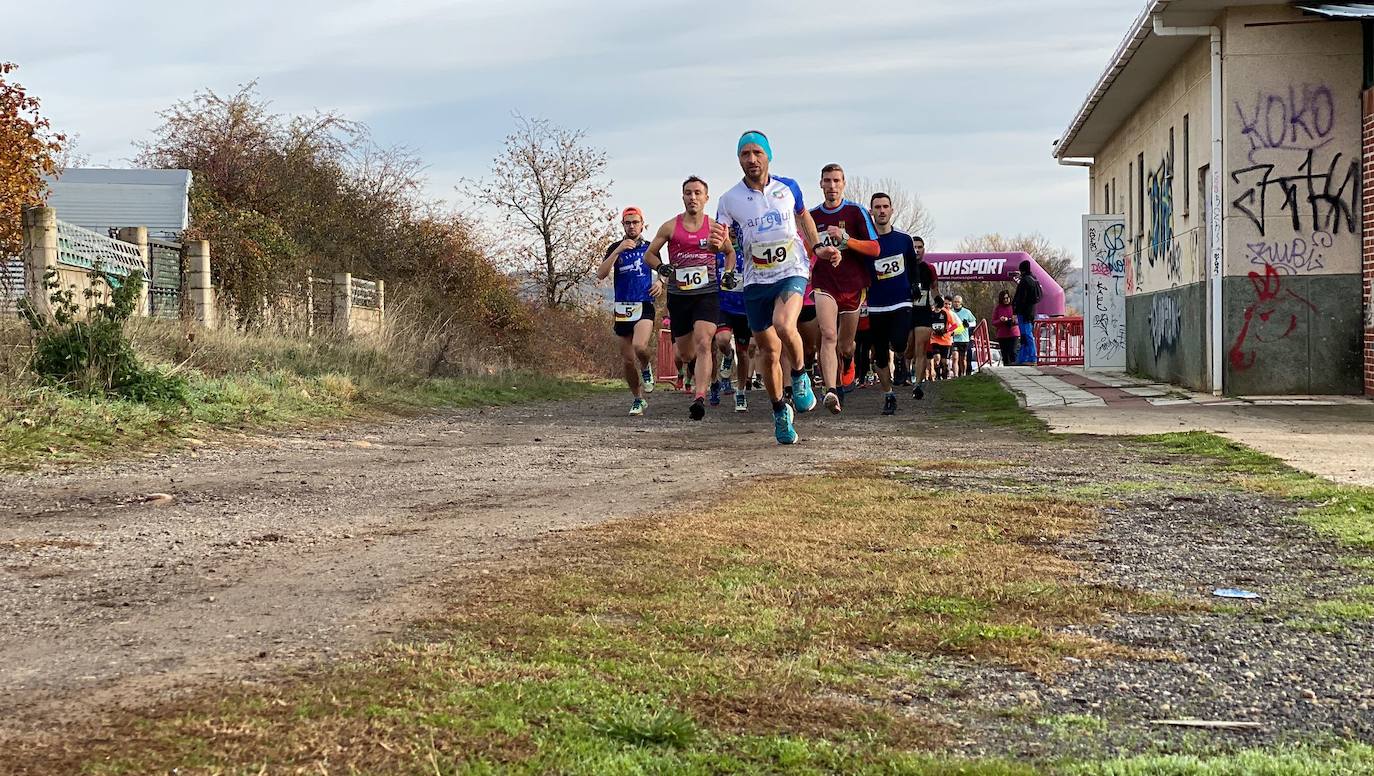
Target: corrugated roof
1340	10
100	199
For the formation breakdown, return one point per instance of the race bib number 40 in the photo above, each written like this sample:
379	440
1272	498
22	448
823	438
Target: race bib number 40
771	255
889	267
692	278
628	312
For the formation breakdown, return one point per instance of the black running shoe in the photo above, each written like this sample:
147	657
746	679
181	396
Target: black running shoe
698	409
890	404
918	392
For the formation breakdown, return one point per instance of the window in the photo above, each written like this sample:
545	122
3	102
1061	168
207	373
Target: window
1106	198
1187	166
1130	199
1116	203
1140	195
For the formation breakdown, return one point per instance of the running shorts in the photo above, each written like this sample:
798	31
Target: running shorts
961	348
848	302
736	324
940	350
626	317
759	300
808	314
888	331
684	310
922	317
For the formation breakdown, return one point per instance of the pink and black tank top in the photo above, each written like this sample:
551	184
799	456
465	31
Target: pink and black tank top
694	264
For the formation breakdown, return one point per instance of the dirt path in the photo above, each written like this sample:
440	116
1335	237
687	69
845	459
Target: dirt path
296	548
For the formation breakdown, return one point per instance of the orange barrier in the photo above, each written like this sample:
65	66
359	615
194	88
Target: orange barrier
665	366
1059	341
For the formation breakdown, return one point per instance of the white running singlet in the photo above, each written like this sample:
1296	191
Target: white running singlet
765	223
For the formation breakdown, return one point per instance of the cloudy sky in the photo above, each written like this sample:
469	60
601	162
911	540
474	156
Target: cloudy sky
957	99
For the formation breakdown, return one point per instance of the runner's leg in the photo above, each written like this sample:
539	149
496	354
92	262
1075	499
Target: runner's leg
827	317
702	337
630	362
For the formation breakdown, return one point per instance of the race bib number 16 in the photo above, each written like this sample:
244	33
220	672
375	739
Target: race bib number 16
889	267
692	278
771	255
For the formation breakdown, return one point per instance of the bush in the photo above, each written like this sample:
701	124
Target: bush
85	349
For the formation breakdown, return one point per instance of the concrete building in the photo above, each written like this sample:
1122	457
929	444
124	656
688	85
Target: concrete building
1234	138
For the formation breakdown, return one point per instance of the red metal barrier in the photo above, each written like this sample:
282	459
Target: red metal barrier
982	351
665	366
1059	341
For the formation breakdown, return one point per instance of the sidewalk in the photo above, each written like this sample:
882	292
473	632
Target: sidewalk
1330	436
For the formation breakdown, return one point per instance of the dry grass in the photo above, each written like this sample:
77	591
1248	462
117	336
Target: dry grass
764	632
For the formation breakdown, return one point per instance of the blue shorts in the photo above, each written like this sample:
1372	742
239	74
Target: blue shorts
759	300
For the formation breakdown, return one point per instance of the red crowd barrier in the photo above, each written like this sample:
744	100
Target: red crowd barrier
982	351
1059	341
665	367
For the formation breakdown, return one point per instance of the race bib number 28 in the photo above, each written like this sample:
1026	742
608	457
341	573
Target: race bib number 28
771	255
889	267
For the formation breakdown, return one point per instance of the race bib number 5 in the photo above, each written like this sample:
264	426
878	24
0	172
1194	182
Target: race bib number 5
771	255
889	267
692	278
628	312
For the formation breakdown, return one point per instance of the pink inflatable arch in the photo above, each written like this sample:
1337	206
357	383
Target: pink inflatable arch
999	266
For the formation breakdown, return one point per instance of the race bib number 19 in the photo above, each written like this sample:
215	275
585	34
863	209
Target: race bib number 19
889	267
771	255
628	312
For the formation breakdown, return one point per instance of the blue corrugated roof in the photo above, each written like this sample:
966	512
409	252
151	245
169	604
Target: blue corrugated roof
100	199
1340	10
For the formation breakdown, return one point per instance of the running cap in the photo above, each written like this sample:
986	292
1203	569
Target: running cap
632	211
757	138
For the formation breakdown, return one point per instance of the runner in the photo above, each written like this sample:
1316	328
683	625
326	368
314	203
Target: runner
943	323
765	213
840	287
923	283
693	287
635	288
963	344
733	337
890	295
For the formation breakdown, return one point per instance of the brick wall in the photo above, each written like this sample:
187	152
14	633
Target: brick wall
1367	216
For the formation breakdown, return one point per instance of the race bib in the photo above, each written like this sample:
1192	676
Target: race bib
692	278
771	255
628	312
889	267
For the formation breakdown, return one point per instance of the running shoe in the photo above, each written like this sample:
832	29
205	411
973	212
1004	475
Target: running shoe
919	392
727	366
647	378
698	409
727	388
687	384
715	394
832	401
890	404
638	407
802	396
741	401
756	384
782	426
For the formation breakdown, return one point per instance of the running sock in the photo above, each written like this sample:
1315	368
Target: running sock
778	405
798	373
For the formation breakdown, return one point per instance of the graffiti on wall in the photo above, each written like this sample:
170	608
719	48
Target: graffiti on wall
1291	257
1160	191
1275	314
1166	319
1104	253
1302	119
1316	195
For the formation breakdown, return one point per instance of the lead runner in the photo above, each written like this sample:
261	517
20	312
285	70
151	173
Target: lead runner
767	213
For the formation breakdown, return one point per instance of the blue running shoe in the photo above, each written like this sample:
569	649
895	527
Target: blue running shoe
782	425
803	398
715	393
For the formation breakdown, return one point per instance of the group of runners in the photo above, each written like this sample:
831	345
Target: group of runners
768	272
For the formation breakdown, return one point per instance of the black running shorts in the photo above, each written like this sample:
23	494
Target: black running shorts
888	331
738	324
684	310
627	328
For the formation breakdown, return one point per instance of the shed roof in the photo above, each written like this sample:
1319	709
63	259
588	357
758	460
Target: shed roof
101	199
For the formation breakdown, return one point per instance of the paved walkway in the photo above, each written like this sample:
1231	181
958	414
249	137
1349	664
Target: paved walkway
1331	436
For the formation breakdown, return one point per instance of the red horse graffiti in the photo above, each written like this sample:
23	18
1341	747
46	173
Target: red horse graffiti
1273	316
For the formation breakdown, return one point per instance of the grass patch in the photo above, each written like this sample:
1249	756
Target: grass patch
1232	456
1345	759
981	399
1344	610
761	634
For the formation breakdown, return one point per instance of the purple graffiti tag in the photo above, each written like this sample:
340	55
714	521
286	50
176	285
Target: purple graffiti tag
1304	119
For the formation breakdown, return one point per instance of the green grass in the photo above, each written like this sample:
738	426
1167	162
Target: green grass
981	400
1346	759
39	424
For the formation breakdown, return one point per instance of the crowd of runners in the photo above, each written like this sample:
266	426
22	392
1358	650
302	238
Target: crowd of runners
769	292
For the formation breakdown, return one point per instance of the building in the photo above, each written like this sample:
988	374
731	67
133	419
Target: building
103	199
1233	139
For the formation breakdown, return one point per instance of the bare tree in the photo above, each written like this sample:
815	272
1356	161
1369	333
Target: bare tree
549	188
981	297
909	214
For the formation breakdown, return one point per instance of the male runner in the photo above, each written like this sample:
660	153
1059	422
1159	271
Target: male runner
943	324
963	341
889	295
766	212
693	286
635	288
923	282
840	287
733	336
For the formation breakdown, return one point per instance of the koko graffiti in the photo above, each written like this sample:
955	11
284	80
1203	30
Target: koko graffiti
1303	119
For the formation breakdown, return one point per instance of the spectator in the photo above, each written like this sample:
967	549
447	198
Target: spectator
962	345
1023	303
1004	326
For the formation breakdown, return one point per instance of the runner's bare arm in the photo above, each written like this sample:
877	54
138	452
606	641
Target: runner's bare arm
661	237
604	270
808	228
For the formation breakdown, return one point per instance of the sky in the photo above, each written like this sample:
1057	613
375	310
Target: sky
959	100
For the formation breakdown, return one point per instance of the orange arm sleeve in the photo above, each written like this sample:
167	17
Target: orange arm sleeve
868	248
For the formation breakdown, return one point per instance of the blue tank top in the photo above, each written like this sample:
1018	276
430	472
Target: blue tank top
731	301
633	278
891	273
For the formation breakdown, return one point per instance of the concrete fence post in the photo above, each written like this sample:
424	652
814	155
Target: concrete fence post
309	303
343	301
381	304
138	236
198	283
40	255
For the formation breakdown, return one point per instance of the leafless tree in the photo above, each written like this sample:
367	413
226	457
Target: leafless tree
548	186
909	214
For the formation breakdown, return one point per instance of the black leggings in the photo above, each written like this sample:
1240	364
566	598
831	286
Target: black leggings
1008	347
